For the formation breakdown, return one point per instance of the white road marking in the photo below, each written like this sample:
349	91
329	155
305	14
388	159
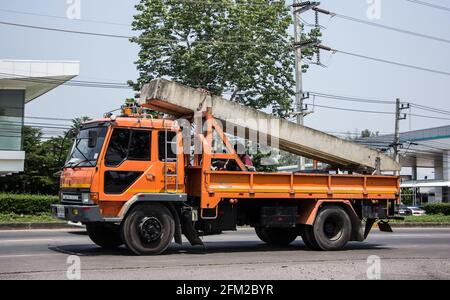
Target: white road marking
24	255
26	240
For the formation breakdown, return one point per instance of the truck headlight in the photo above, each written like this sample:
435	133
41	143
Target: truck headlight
86	198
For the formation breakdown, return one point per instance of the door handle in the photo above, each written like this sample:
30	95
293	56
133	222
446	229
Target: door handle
150	177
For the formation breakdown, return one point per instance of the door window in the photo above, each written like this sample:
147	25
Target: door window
126	144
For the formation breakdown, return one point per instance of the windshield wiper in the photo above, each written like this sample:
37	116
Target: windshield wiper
81	161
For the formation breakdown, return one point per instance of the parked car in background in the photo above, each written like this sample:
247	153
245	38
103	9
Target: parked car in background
403	210
417	211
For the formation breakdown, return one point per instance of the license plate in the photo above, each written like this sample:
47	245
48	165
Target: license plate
60	212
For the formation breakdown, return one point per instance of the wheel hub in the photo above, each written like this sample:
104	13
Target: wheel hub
333	228
150	229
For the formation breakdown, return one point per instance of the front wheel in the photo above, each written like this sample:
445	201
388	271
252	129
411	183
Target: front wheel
276	236
332	229
148	229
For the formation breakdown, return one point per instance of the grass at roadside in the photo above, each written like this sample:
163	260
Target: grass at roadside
425	219
47	218
39	218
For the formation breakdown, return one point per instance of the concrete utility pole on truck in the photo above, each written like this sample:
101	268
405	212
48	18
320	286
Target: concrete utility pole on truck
129	181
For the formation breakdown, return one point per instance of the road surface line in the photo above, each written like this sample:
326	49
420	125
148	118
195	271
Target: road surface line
24	255
26	240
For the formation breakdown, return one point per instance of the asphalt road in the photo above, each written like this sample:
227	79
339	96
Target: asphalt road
406	254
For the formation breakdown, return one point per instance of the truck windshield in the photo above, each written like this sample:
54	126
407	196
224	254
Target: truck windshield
86	147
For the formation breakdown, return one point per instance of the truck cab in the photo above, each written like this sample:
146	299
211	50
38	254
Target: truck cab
118	161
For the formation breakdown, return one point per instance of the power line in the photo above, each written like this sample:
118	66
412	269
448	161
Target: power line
351	99
375	101
77	83
63	18
392	62
52	80
430	109
165	40
47	118
355	110
430	5
393	28
378	112
66	30
222	42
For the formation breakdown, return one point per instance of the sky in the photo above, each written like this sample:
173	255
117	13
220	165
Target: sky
111	59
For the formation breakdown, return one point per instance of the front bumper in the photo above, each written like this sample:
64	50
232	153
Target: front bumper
77	213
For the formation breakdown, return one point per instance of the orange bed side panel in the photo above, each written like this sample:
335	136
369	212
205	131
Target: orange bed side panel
216	185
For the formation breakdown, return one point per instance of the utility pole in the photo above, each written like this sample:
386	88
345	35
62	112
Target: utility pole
398	117
300	7
298	30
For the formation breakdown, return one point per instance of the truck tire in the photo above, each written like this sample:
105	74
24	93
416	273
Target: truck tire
104	235
308	237
332	228
276	236
148	229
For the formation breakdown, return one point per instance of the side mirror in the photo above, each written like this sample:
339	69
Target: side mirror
92	141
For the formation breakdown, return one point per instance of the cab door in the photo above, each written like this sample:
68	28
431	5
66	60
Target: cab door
127	167
169	161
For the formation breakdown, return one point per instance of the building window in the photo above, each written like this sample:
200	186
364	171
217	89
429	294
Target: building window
12	104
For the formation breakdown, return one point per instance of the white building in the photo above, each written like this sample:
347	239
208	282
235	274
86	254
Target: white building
425	160
22	81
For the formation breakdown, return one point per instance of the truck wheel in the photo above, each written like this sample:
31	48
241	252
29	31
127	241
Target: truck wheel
308	238
104	235
332	228
148	229
276	236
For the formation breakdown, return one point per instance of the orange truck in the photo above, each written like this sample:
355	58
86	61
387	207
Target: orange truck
129	179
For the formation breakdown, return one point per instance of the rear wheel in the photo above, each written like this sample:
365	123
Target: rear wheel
104	235
148	229
332	228
308	238
276	236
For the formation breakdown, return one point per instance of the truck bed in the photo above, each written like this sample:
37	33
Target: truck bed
212	186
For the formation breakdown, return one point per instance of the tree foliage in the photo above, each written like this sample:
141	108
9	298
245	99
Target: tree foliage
43	159
241	49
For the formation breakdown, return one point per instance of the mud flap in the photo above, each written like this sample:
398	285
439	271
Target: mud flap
384	226
177	234
369	224
188	229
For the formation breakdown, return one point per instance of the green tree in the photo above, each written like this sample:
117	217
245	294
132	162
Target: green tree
367	133
42	160
288	159
240	48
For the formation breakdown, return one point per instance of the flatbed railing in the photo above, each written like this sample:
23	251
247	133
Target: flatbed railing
224	184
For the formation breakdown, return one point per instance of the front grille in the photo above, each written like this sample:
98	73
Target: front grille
71	198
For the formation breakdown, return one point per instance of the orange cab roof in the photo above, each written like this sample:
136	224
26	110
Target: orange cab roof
136	122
